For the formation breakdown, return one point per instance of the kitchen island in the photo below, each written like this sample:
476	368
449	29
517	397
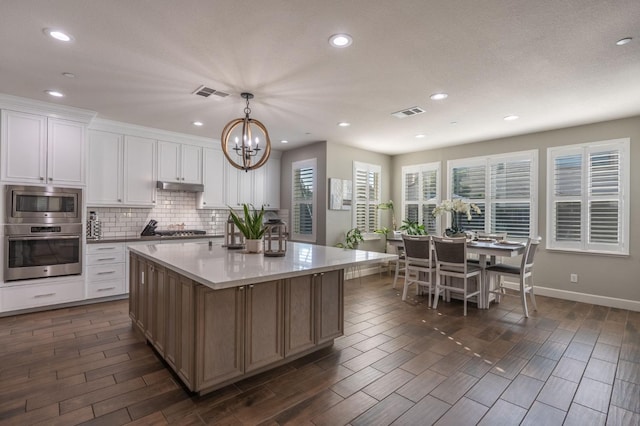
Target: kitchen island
217	316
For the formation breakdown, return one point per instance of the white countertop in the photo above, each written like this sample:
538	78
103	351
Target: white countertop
218	267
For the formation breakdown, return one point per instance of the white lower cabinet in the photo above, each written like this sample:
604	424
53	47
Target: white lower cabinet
25	296
105	270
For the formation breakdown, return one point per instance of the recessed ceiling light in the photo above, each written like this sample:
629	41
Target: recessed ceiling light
344	124
68	75
439	96
511	117
54	93
283	141
57	34
340	40
421	136
453	123
624	41
198	123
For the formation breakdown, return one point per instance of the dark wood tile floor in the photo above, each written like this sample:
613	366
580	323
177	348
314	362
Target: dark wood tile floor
398	363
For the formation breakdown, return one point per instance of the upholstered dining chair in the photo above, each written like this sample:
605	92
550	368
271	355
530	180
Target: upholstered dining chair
524	271
451	261
419	267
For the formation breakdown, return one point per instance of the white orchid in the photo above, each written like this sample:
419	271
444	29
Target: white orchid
457	205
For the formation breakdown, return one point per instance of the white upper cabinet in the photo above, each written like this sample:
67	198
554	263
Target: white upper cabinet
213	179
140	174
105	180
272	184
121	170
37	149
260	187
179	162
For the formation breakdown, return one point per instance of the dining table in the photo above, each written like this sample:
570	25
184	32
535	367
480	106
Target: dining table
488	250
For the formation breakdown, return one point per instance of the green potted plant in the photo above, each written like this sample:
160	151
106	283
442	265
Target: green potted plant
252	227
389	206
351	239
413	228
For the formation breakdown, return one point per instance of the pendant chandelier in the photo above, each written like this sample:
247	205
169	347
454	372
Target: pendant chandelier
242	147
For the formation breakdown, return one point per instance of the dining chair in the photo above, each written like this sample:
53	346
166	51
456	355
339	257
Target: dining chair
400	265
524	271
451	261
419	265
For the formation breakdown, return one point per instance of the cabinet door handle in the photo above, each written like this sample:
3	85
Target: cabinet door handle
50	179
105	258
106	289
106	248
41	178
119	200
204	202
178	178
106	272
44	295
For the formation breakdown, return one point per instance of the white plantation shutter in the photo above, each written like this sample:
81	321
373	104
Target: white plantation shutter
303	201
587	206
503	187
511	196
366	196
469	182
420	191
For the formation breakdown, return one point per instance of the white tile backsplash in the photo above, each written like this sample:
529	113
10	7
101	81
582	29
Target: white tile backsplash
173	208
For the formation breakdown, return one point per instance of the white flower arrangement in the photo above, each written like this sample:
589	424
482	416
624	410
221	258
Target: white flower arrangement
457	205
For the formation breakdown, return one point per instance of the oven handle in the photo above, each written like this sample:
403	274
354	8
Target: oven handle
48	237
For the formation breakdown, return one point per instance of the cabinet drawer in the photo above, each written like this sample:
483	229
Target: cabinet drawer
105	248
35	295
114	271
105	288
104	258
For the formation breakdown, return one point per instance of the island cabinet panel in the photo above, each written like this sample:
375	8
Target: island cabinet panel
221	318
329	305
264	325
299	315
185	331
134	286
158	312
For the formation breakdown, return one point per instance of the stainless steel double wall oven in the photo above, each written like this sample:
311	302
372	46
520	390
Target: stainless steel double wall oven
43	232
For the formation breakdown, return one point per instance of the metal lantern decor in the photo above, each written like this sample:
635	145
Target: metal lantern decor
245	151
275	238
233	238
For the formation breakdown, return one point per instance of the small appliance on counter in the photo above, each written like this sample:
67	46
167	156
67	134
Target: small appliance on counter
94	227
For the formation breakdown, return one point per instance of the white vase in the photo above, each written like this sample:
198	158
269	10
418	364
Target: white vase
253	246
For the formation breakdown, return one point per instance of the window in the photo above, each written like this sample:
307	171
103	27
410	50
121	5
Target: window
503	187
420	194
303	194
366	191
587	204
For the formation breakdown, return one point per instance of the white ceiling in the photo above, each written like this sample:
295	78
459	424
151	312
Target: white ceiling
553	63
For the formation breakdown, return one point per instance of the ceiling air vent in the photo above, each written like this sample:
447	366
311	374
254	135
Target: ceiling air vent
208	91
408	112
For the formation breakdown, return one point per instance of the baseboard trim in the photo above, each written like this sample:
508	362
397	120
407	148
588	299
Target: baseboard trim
594	299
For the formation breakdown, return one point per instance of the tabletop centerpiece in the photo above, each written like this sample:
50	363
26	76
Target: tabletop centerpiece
456	207
252	227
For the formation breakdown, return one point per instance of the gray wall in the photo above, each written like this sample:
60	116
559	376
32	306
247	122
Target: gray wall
318	151
610	276
340	160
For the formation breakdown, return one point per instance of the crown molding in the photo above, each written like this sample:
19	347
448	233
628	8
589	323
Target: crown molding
15	103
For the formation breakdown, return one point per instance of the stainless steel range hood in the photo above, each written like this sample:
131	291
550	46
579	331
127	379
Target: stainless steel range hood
176	186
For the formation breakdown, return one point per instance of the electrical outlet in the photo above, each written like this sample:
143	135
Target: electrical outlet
574	278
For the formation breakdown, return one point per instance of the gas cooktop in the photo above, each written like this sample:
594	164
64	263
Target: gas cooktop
179	232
